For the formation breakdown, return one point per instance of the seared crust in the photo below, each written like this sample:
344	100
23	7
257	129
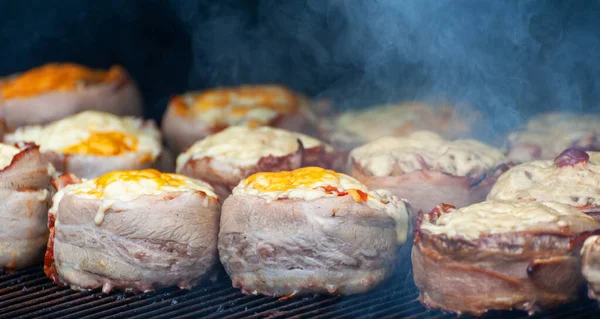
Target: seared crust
25	198
297	247
120	97
529	270
425	188
137	247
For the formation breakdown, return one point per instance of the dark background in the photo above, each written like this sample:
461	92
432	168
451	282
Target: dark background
508	58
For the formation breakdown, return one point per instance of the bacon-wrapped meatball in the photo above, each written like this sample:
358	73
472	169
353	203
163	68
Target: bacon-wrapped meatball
53	91
193	116
92	143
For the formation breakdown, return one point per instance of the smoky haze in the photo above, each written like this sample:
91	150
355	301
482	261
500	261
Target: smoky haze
507	58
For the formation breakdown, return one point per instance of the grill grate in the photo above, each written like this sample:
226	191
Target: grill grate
29	294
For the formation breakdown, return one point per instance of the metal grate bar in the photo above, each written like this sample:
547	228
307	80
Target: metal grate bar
211	307
29	294
265	309
369	310
33	305
199	295
413	307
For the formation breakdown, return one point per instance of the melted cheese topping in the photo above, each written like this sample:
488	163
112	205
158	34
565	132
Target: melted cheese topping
244	146
555	132
394	120
253	106
7	153
498	217
552	120
426	150
311	183
305	183
55	77
123	186
578	185
93	133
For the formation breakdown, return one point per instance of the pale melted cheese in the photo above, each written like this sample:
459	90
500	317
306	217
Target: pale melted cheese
251	105
578	185
7	153
124	186
498	217
426	150
243	146
565	121
555	132
393	120
71	134
311	183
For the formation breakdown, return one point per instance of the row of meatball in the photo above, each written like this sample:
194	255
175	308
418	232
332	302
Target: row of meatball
535	204
51	92
312	230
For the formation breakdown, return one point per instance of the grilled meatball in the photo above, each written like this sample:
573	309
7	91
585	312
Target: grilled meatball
53	91
426	169
195	115
295	232
354	128
92	143
132	230
573	178
25	198
227	157
499	255
548	134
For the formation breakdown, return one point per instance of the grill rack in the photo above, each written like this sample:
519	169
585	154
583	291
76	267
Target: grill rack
29	293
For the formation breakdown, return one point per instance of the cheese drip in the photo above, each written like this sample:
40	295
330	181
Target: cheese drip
310	183
55	77
128	185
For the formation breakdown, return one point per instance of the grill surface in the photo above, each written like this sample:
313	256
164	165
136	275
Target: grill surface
29	294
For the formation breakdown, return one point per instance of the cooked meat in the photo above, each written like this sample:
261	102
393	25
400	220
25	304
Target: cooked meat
499	255
25	198
292	233
195	115
550	133
132	230
227	157
590	265
92	143
54	91
354	128
573	178
426	169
